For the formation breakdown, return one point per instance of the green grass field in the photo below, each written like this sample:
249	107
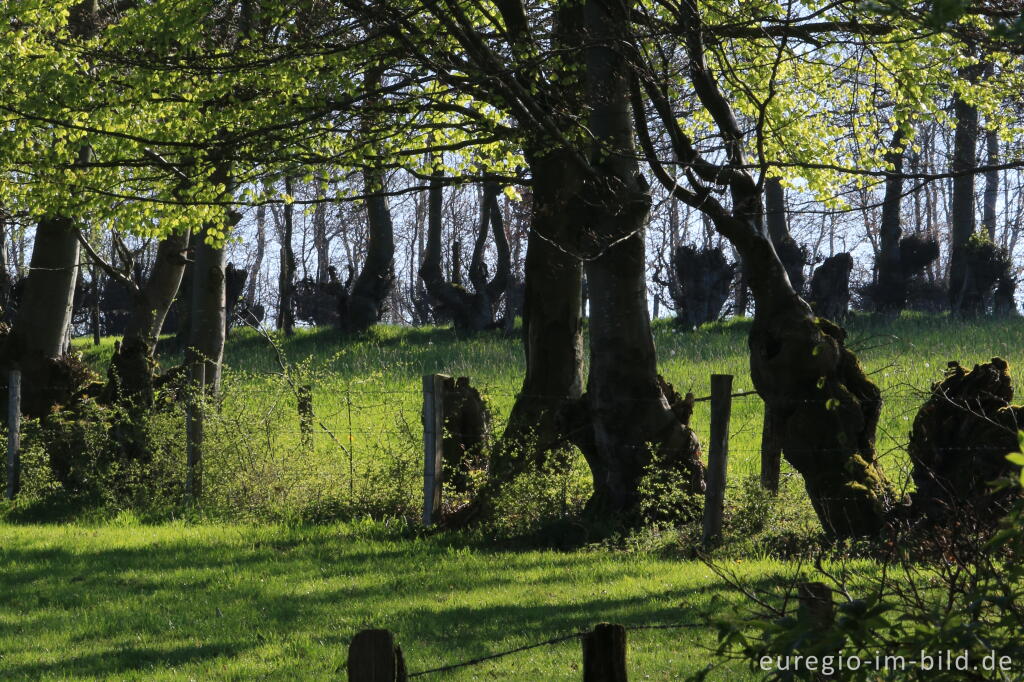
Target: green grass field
177	602
249	589
366	450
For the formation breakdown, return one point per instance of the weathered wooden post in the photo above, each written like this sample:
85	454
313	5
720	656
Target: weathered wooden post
13	434
771	452
433	445
194	432
818	610
604	654
718	456
373	656
816	604
304	398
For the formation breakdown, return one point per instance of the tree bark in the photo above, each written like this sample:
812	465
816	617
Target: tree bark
792	256
364	305
963	297
40	327
890	294
132	366
626	421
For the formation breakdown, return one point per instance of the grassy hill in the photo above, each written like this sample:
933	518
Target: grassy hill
365	455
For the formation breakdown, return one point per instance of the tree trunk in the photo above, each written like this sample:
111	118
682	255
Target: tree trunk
37	337
132	367
209	299
988	216
963	296
700	284
469	311
209	322
830	287
364	305
257	264
825	408
790	253
552	330
625	412
890	294
959	442
321	243
286	282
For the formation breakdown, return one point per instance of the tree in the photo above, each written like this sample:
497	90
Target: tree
822	403
470	311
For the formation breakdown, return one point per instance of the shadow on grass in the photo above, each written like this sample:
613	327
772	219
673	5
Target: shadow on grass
122	660
229	595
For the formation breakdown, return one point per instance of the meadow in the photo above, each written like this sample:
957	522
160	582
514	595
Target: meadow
300	544
365	455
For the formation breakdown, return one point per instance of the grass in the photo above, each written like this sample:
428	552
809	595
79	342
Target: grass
235	594
367	397
202	602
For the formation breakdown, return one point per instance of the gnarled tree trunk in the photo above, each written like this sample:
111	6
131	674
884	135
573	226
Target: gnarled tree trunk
823	406
793	257
830	287
959	443
625	421
364	304
469	311
132	367
700	284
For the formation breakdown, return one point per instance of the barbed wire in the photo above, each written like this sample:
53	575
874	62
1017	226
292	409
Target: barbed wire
548	642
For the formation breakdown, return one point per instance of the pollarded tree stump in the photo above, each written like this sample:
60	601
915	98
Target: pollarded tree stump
700	285
960	440
830	287
467	430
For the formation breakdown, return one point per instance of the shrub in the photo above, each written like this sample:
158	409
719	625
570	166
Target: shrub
955	590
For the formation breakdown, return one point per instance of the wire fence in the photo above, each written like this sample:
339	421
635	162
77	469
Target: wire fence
377	650
327	446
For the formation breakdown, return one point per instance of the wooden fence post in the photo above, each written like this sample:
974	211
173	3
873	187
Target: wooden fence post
604	654
771	452
818	609
433	445
718	456
816	604
194	432
304	396
373	656
13	434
